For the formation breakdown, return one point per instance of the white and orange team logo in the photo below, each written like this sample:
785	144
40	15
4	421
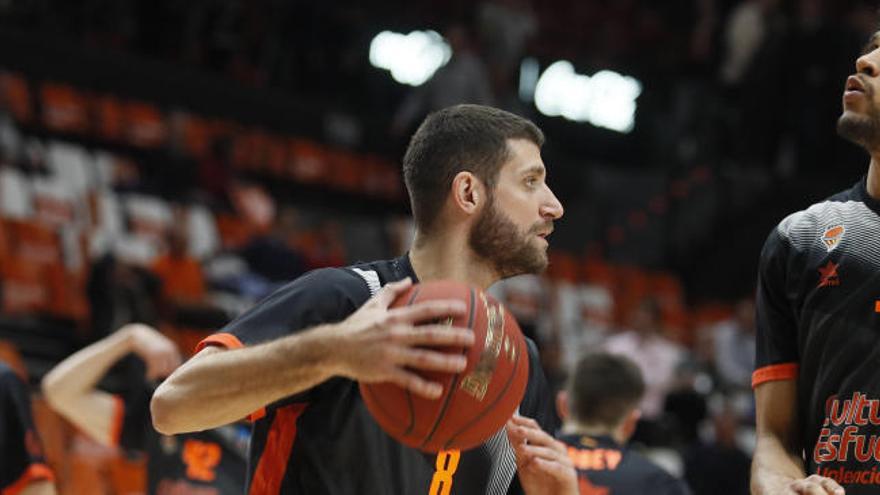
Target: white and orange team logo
832	236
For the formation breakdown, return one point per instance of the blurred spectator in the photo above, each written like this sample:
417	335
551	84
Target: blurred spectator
181	274
326	246
120	292
183	288
271	255
464	79
754	75
505	28
719	466
685	406
215	174
745	32
599	409
735	347
656	355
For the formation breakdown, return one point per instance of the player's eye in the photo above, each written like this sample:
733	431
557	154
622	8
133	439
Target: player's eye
531	181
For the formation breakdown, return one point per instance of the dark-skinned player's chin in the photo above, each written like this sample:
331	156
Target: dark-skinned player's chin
860	120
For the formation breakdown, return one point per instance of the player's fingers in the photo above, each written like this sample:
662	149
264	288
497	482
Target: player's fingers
831	487
428	310
534	435
427	360
524	421
417	385
555	469
541	452
389	293
805	487
433	335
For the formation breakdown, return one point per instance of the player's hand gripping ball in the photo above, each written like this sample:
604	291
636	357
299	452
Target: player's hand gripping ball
475	403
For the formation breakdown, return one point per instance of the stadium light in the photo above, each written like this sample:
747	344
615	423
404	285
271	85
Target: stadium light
607	99
411	58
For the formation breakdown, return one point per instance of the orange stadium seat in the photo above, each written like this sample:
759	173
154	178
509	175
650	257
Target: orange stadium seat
35	242
245	150
65	109
630	289
145	125
234	231
308	163
563	266
16	97
67	291
277	156
110	120
54	202
196	135
346	171
24	288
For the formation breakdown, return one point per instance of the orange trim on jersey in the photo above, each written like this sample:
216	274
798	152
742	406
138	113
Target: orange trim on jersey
774	372
226	340
118	420
229	341
34	472
279	445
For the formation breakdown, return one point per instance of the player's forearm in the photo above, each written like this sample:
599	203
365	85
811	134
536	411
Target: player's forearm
224	386
80	373
774	466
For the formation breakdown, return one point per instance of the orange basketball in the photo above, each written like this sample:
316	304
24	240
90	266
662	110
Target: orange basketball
475	403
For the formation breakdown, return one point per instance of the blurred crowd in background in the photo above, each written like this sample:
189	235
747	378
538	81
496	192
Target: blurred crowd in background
124	203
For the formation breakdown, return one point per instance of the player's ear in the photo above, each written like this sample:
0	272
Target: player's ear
468	192
562	404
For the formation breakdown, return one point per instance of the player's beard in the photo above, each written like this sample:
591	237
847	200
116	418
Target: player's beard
496	239
863	130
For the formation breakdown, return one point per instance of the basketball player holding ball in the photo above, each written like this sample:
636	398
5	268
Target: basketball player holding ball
482	211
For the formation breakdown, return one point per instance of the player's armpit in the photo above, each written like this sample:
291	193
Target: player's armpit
777	461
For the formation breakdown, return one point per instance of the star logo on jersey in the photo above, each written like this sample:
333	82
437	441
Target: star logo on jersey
828	275
832	236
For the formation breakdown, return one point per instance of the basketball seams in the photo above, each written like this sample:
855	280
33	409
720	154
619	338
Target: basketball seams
380	407
409	401
450	393
450	422
490	407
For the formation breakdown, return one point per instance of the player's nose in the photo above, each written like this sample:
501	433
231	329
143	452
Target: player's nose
551	208
867	64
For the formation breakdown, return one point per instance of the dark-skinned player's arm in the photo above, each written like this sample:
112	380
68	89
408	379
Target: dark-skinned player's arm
71	387
374	344
778	466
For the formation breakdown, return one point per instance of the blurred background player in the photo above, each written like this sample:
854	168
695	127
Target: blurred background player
600	410
209	462
23	468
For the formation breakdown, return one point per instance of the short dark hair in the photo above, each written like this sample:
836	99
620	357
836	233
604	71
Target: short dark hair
604	388
459	138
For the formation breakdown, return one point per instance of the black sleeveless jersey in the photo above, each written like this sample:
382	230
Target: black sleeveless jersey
324	440
818	322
